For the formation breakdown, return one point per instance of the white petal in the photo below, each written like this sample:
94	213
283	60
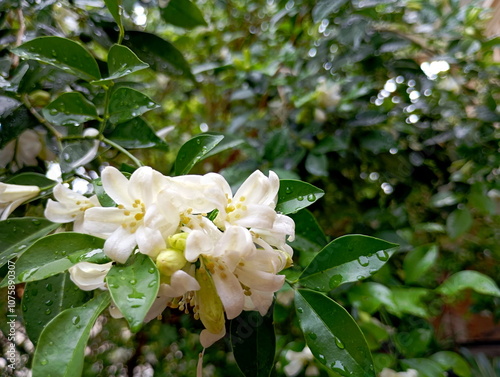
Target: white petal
159	305
150	241
259	189
180	283
197	243
89	276
59	213
120	245
207	338
260	280
230	292
103	219
256	216
115	184
145	184
260	301
114	311
67	196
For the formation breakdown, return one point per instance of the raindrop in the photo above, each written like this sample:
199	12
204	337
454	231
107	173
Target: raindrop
152	270
311	197
151	105
322	359
53	111
335	281
48	287
49	302
339	343
133	281
43	362
300	310
48	311
313	336
25	308
382	255
300	198
288	190
363	261
76	320
152	284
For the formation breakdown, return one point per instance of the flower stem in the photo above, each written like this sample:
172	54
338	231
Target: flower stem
137	162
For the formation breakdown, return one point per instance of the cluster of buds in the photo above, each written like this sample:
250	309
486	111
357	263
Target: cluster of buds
217	253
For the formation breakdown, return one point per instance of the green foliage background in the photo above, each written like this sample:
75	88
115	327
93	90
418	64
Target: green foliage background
330	92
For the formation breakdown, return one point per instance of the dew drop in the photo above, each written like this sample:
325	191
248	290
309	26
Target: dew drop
76	320
335	281
48	311
339	343
132	281
48	286
322	359
313	336
311	197
152	284
152	270
288	190
300	310
53	111
382	255
300	198
49	302
363	261
44	362
25	308
35	222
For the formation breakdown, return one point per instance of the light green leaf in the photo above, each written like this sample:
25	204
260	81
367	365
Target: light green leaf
254	343
452	361
370	296
44	299
346	259
333	335
126	103
135	133
70	109
182	13
195	150
18	234
425	367
474	280
62	53
54	254
444	199
121	62
34	179
317	164
78	154
134	287
458	222
409	300
61	347
294	195
115	8
418	261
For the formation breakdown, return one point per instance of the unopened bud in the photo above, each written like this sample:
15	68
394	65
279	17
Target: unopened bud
178	241
210	306
169	261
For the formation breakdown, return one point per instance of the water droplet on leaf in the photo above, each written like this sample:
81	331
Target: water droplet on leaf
363	261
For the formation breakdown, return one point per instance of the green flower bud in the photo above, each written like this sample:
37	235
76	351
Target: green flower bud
169	261
210	306
178	241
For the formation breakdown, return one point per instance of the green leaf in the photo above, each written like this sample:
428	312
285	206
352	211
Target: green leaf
54	254
126	103
15	124
161	55
17	234
424	367
78	154
62	53
444	199
317	164
121	62
409	300
418	261
452	361
182	13
134	287
135	133
44	299
480	200
115	8
370	296
325	8
195	150
61	347
102	196
474	280
254	343
309	236
333	335
346	259
294	195
70	109
458	222
34	179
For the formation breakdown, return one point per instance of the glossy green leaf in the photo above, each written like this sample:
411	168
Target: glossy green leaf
474	280
294	195
444	199
34	179
54	254
134	287
102	196
254	343
410	301
229	142
182	13
127	103
424	367
346	259
161	55
418	261
194	151
317	164
115	8
62	53
452	361
370	296
15	124
17	234
78	154
44	299
324	8
61	347
70	109
121	62
135	133
333	335
309	236
458	222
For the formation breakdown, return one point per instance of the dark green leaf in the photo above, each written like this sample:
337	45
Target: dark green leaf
51	255
182	13
194	151
419	261
70	109
309	236
102	196
115	8
15	124
62	53
254	343
469	280
135	133
78	154
44	299
161	55
61	347
458	222
34	179
126	103
325	8
294	195
134	287
16	235
333	335
346	259
317	164
121	62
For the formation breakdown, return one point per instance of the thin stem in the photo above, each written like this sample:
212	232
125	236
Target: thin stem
19	35
105	116
42	120
137	162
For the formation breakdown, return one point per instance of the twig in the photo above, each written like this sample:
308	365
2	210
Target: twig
19	35
137	162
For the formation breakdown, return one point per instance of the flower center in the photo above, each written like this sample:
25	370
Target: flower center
134	215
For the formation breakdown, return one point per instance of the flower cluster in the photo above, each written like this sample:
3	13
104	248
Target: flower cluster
217	253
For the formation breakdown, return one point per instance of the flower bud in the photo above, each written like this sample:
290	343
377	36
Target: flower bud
178	241
210	306
169	261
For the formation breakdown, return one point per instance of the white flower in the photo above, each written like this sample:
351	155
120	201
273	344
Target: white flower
386	372
12	196
21	151
89	276
126	224
69	207
297	362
